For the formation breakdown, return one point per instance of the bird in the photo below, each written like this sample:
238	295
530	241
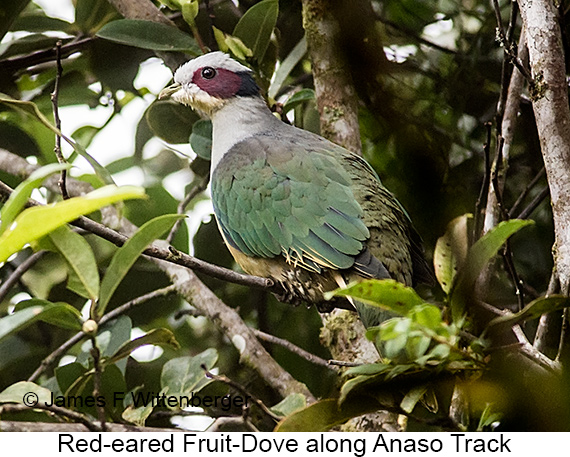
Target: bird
291	205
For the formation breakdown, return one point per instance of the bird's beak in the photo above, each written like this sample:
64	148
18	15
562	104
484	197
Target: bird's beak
169	91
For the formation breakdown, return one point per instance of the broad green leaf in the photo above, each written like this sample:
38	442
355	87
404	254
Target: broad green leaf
171	121
287	66
387	294
31	109
149	35
15	322
367	369
302	96
290	404
323	415
80	258
25	392
201	138
71	378
533	310
184	375
37	21
157	337
411	399
478	256
451	251
427	316
34	223
126	255
60	314
84	135
21	194
256	26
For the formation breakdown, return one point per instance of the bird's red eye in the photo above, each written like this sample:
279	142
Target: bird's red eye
208	72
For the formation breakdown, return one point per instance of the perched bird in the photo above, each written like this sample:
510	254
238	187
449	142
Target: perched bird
291	205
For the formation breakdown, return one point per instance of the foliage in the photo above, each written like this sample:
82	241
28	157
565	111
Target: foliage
422	118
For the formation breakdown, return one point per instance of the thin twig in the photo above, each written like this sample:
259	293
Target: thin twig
243	390
481	199
510	265
536	201
525	192
18	272
58	411
342	363
199	186
120	310
234	421
15	64
55	104
292	348
508	47
96	356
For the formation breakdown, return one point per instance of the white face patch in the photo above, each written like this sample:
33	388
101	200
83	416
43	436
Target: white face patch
190	94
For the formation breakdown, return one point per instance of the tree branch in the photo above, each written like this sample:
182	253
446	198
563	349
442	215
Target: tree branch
549	93
336	96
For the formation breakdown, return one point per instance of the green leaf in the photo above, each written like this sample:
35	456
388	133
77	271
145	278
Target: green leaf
80	258
171	121
34	223
149	35
367	369
451	251
30	311
298	98
60	314
411	399
84	135
157	337
201	138
21	194
126	255
20	393
533	310
290	404
427	315
478	256
256	26
386	294
287	66
184	375
323	415
37	21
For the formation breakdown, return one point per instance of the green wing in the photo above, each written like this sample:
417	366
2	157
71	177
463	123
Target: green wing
273	198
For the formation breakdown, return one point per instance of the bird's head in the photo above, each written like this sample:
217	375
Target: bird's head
208	82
